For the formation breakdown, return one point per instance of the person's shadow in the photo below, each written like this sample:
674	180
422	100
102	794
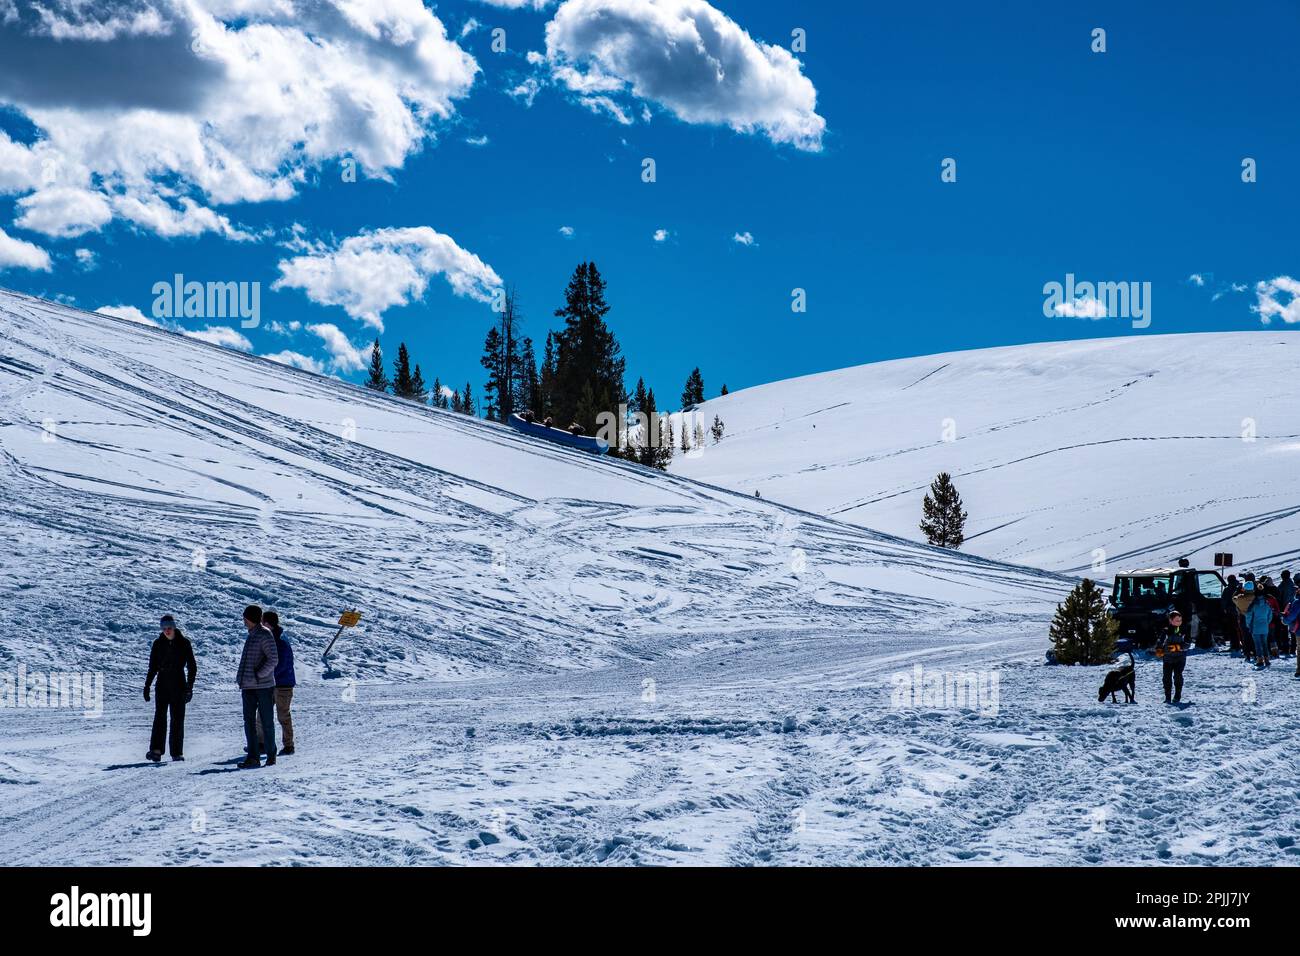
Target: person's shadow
129	766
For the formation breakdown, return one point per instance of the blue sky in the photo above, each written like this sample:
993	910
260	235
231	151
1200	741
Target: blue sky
1115	166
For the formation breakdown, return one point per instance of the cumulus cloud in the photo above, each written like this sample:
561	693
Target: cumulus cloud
661	235
744	239
17	254
343	355
162	109
688	57
1084	307
297	360
566	232
1278	298
63	212
221	335
1196	279
128	312
370	273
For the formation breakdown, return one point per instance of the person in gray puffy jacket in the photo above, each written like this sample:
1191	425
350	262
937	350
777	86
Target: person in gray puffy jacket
256	678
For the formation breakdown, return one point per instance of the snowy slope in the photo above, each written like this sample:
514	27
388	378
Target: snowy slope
644	677
146	472
1132	445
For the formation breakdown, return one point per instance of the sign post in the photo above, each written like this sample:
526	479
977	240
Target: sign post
1223	559
348	618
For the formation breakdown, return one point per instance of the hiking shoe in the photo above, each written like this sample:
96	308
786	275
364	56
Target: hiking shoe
286	752
251	763
178	759
270	760
154	756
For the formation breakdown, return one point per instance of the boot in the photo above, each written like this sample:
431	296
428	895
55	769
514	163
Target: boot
154	756
250	763
270	760
286	752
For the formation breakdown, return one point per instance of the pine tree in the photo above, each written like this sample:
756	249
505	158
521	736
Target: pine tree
403	384
943	521
1082	632
456	404
467	401
439	399
546	379
663	452
693	393
528	387
686	437
378	380
586	353
491	361
502	361
419	391
699	434
724	389
717	429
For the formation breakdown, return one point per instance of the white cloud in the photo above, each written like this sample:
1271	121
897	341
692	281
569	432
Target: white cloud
17	254
519	4
1084	307
605	104
86	258
661	235
343	355
744	239
526	90
566	232
128	312
1269	298
688	57
164	108
1196	279
297	360
476	140
63	211
369	273
222	335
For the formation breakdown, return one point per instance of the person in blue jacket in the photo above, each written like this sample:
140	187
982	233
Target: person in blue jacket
1259	618
284	682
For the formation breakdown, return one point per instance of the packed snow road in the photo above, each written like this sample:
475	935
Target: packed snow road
762	749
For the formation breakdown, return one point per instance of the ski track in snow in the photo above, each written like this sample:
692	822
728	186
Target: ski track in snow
579	769
1147	447
493	711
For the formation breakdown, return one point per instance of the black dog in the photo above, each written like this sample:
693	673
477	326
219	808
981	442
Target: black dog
1124	679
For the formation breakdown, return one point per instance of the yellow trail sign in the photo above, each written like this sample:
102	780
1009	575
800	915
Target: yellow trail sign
349	618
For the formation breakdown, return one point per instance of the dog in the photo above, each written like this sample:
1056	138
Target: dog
1125	679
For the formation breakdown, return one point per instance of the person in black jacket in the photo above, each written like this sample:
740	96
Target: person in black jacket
171	660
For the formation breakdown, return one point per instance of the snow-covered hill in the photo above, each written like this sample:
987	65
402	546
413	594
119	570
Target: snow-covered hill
146	472
1144	448
563	660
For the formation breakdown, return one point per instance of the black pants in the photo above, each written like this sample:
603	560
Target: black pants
162	704
259	704
1173	676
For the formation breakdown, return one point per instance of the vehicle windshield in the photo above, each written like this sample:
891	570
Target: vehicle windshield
1143	588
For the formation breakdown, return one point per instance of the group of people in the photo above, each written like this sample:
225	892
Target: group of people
1261	621
266	682
1262	617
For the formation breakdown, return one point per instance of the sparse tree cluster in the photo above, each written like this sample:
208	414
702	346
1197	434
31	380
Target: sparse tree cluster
580	376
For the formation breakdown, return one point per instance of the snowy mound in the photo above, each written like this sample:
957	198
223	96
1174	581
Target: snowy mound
146	472
1145	448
